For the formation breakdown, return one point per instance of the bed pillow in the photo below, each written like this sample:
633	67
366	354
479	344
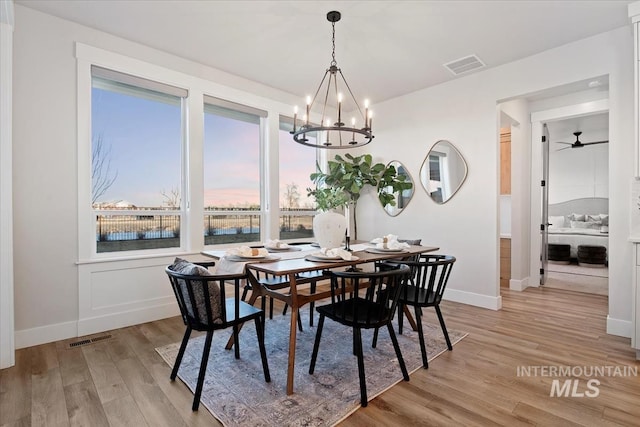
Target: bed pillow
605	219
557	221
604	229
586	225
577	217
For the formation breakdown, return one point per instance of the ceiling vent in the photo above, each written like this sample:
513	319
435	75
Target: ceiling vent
464	65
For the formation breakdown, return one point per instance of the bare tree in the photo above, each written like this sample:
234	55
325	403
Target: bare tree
291	196
172	198
102	177
291	200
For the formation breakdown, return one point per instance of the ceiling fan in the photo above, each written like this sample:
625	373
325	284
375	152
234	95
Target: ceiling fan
578	143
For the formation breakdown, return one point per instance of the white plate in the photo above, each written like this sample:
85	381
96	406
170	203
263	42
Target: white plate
248	256
337	259
323	256
384	251
267	258
281	248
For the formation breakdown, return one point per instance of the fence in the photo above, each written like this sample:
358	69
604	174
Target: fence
135	230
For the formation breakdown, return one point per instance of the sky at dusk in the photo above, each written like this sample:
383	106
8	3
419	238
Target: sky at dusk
142	140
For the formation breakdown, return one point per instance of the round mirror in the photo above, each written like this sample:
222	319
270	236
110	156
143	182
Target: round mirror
443	171
402	197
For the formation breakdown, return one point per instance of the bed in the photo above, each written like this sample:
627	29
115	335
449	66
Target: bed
580	222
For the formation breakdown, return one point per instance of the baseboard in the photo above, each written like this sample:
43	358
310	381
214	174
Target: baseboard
46	334
478	300
91	325
519	285
66	330
619	327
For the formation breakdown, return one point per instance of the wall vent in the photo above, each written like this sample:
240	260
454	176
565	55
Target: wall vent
89	341
464	65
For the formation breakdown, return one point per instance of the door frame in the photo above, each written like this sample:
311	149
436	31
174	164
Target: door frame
538	119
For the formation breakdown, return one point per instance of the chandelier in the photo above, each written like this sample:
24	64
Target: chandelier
334	133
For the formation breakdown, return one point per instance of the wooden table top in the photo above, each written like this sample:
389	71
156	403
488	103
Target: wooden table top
300	264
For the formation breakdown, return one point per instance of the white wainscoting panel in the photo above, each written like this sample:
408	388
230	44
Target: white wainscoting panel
116	294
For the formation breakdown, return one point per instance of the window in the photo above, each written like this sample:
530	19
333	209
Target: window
136	162
296	163
232	159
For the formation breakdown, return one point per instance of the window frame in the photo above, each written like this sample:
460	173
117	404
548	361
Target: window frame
139	82
185	76
262	116
285	123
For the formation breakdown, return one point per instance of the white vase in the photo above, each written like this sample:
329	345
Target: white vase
329	228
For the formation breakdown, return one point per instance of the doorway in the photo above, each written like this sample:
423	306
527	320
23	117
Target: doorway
577	184
576	225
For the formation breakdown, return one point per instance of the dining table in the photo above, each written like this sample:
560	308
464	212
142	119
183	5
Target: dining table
295	262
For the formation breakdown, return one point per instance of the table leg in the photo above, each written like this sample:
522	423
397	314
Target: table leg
293	329
410	318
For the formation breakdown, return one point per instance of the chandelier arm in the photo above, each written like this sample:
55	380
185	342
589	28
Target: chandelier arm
313	101
326	98
353	96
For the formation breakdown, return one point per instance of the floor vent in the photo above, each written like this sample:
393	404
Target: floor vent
89	341
464	65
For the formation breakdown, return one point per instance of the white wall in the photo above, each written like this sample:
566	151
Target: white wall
578	172
464	112
6	186
45	163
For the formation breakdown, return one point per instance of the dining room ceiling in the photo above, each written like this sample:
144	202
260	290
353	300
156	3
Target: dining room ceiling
384	48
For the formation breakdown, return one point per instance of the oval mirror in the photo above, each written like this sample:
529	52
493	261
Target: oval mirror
402	197
443	171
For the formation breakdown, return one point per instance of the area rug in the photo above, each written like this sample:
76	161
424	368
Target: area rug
236	394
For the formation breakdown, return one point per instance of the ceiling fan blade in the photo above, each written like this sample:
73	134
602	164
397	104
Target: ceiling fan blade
562	142
565	148
595	142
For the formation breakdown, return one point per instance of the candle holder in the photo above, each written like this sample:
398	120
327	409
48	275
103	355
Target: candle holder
346	244
347	232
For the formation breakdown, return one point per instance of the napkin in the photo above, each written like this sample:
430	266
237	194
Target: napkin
275	244
246	251
390	241
336	252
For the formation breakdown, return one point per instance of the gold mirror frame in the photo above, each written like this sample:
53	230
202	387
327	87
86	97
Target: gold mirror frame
449	168
404	197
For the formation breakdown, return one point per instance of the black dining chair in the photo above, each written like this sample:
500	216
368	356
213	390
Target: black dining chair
363	300
425	288
204	306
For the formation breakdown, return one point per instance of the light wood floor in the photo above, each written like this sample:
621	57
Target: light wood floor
123	382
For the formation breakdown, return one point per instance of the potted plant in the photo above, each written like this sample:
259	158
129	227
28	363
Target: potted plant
347	176
329	226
